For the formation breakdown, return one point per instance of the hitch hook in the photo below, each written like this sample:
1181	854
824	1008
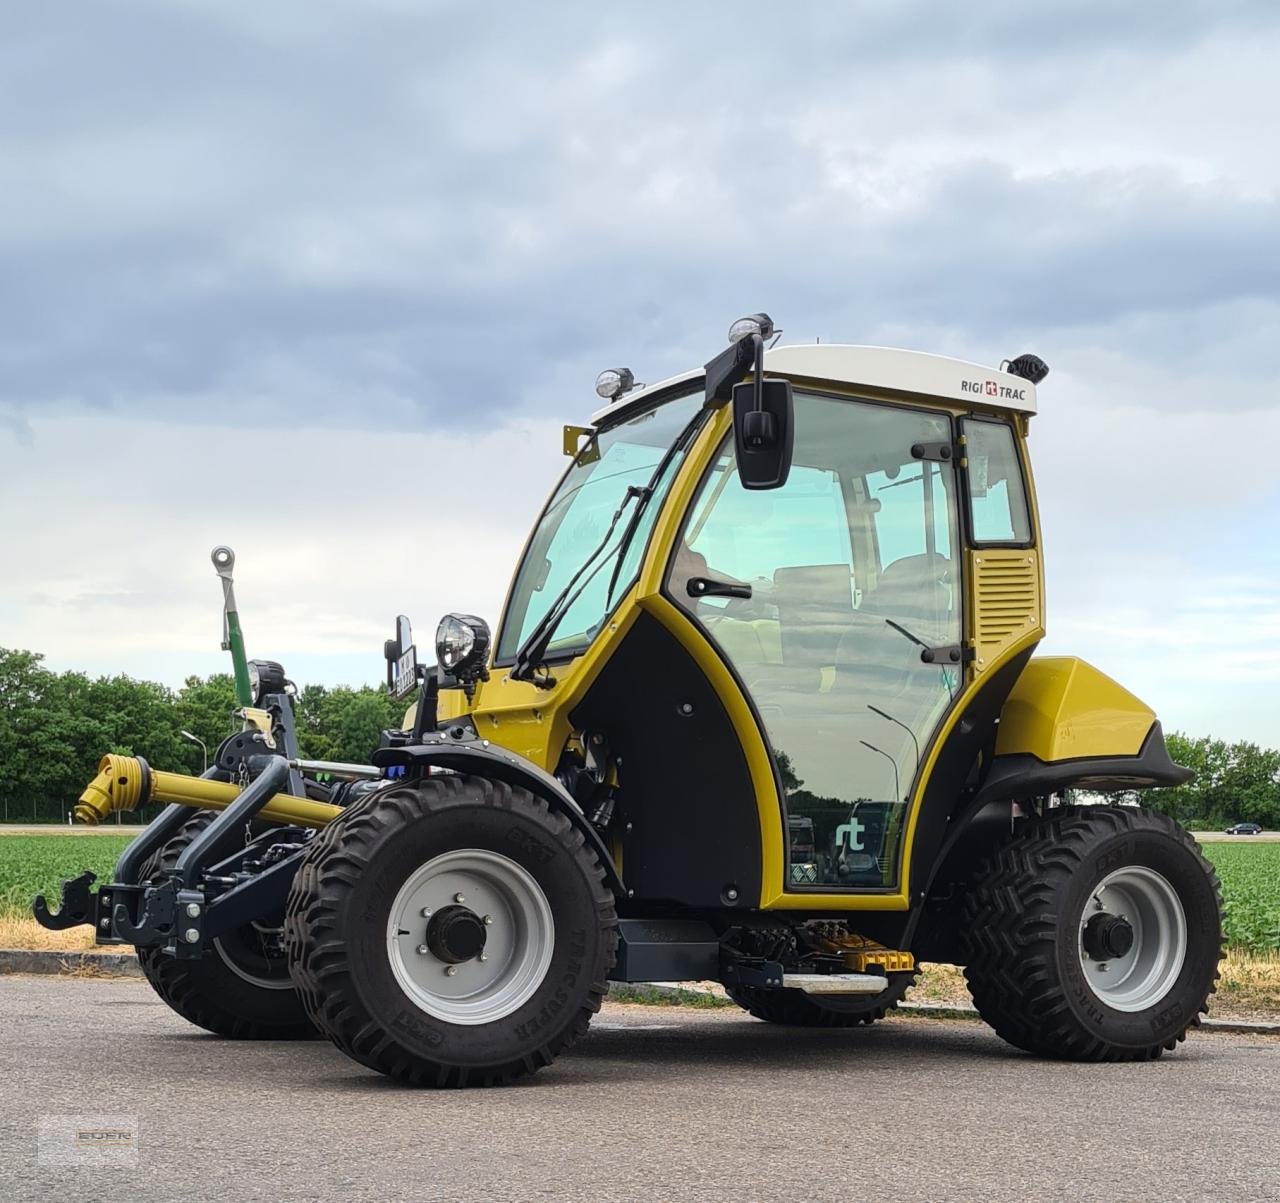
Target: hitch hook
76	905
156	923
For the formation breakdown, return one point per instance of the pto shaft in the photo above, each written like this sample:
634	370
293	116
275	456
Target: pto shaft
127	782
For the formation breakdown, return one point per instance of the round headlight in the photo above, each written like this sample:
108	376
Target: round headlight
613	382
265	676
462	646
756	323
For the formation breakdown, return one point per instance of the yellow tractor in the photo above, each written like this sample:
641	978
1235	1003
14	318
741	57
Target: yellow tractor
762	708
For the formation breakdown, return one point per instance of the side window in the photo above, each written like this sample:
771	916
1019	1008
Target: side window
997	498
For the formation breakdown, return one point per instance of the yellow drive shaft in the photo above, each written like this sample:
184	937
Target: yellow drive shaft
125	783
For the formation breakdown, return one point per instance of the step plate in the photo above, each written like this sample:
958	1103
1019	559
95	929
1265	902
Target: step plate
835	983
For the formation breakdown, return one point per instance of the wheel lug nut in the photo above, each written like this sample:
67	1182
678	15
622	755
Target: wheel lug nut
487	920
484	956
426	912
459	898
423	950
451	970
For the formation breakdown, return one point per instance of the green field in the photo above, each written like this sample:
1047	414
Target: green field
32	863
1250	876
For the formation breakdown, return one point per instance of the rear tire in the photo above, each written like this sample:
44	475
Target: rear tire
234	990
795	1008
368	925
1042	967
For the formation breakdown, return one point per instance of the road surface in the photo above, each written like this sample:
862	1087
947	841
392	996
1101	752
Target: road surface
657	1103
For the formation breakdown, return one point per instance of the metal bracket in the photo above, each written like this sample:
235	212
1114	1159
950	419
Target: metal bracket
951	653
935	452
762	974
573	436
262	720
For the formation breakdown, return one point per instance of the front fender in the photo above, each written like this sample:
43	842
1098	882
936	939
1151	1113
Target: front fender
479	758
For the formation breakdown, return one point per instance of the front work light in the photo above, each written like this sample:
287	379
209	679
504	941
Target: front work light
462	647
265	676
613	382
755	323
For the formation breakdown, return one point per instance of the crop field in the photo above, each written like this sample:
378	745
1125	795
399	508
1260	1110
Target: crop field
1250	876
30	864
34	864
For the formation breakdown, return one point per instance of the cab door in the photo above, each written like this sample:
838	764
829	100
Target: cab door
836	600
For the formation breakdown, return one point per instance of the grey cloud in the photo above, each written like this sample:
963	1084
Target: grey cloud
342	214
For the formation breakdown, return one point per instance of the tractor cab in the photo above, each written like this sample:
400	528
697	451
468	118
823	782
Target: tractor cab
757	643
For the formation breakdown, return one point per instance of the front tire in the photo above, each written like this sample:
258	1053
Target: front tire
240	988
1094	935
396	967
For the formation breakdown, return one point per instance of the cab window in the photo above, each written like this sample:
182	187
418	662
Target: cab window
997	497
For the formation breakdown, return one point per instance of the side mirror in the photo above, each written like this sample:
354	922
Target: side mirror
763	432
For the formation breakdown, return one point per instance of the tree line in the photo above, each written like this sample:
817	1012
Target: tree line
54	728
1234	783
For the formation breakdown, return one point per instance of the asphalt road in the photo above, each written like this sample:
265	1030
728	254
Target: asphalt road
657	1103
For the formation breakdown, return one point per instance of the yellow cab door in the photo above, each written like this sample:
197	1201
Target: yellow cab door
835	600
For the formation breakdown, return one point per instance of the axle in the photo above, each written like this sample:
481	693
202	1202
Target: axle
127	782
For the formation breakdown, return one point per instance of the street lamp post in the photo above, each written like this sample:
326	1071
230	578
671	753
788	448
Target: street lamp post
897	787
885	714
195	739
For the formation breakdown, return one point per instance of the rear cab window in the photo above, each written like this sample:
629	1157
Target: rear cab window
998	512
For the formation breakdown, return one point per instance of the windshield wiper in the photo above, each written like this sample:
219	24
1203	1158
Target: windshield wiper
534	648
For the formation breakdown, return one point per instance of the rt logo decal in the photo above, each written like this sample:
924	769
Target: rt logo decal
855	830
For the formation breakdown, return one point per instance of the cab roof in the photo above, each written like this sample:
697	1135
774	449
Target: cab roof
912	372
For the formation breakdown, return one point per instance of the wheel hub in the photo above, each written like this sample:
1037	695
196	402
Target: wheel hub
488	940
1106	937
456	934
1132	938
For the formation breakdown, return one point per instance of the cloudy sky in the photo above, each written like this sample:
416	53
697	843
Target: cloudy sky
322	280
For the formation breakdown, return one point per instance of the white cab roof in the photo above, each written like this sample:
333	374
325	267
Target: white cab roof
875	367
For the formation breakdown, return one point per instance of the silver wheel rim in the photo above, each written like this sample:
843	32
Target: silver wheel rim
1147	972
519	937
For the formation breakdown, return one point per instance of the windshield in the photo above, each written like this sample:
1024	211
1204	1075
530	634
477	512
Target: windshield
576	519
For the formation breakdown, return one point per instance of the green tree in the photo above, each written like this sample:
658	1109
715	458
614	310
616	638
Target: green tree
1238	782
206	707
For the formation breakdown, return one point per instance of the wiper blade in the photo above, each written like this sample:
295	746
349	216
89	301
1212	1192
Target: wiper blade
897	626
534	648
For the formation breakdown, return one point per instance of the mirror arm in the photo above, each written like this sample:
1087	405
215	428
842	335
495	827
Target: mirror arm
758	386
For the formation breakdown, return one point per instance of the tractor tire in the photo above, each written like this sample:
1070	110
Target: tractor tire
399	971
235	990
1094	934
795	1008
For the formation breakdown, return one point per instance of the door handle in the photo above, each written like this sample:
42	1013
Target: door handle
701	586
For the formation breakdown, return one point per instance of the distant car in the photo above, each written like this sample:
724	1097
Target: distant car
1244	829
